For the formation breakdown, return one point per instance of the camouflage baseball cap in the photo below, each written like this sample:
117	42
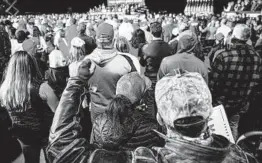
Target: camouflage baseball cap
182	94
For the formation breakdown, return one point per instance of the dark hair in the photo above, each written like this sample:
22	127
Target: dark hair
120	108
12	32
20	36
138	38
36	32
198	51
156	29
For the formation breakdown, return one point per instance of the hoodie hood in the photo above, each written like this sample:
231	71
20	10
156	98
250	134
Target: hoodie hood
102	56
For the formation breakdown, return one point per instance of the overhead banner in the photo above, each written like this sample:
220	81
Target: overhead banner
114	2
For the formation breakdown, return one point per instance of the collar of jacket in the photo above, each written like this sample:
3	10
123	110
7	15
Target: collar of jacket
102	56
239	44
216	152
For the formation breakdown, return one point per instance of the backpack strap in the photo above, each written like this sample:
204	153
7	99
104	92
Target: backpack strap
133	68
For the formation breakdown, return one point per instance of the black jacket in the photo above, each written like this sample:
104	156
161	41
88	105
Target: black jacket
32	124
57	79
90	44
66	142
154	53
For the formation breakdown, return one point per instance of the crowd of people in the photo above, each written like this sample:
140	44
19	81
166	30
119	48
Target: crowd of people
244	5
105	88
124	8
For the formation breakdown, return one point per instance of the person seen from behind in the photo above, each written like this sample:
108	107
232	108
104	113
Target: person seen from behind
127	125
137	42
58	72
153	54
30	103
90	44
184	107
234	73
110	67
185	58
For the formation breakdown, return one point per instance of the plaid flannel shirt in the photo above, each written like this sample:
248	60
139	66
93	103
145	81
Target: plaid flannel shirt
234	73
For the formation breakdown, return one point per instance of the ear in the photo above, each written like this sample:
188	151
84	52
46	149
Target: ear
160	120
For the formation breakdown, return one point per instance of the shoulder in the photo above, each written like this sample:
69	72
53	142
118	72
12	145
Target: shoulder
170	59
44	86
173	41
44	90
130	56
143	154
122	57
121	61
238	155
223	53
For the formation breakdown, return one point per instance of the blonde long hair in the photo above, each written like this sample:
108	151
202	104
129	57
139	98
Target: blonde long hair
15	91
77	49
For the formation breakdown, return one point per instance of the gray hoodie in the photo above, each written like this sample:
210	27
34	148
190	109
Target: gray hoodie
110	67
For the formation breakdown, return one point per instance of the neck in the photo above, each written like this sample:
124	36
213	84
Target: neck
237	41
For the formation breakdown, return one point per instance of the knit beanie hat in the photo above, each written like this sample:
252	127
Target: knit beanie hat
133	86
187	41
